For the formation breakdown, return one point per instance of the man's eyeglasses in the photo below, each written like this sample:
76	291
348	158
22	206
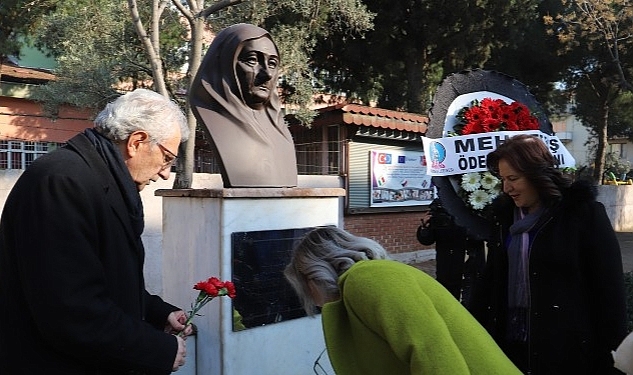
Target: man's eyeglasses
169	157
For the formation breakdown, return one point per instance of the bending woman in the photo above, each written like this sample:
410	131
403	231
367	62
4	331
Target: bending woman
384	317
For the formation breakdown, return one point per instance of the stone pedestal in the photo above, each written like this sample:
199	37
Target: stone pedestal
197	228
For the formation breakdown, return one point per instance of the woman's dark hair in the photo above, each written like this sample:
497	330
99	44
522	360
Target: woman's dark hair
528	155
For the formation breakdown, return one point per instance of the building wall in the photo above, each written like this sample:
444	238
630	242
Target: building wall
395	230
575	136
24	119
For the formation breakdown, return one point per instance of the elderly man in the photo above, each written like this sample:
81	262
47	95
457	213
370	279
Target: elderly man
71	258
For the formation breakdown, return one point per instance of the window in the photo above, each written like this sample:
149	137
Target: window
20	154
319	150
617	149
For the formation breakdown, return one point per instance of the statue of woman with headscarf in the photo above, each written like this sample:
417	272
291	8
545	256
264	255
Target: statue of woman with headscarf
234	94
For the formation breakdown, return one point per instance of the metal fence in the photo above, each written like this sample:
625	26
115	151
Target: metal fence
20	154
313	158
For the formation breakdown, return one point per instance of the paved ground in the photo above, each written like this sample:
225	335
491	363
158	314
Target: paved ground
626	246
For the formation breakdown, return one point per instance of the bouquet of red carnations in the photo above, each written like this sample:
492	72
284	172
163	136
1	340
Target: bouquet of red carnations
209	289
491	115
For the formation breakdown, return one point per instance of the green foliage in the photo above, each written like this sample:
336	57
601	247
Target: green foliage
96	48
616	165
531	54
17	18
621	120
86	39
415	44
85	83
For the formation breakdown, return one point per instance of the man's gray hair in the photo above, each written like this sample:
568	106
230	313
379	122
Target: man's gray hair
144	110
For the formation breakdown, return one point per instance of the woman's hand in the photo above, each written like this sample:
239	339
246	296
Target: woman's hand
426	218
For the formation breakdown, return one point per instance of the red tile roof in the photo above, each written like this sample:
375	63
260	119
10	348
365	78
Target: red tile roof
13	73
354	114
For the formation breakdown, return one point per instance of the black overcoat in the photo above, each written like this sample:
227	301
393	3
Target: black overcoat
72	295
578	307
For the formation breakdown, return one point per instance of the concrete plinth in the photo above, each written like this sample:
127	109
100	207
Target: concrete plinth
617	200
197	228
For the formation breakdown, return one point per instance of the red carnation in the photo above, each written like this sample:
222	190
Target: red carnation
492	115
230	289
209	289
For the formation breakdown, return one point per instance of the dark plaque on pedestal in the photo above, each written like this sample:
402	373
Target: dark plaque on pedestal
264	296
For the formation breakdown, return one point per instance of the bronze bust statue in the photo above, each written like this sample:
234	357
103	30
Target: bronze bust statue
234	94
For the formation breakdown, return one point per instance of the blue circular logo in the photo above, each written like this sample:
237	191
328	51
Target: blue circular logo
438	152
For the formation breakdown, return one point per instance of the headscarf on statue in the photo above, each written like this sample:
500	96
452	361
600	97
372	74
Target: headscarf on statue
255	146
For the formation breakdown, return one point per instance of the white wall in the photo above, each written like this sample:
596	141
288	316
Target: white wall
618	201
570	128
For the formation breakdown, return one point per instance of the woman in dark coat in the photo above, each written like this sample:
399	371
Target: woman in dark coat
452	244
552	294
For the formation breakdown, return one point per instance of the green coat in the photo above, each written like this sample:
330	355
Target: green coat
395	319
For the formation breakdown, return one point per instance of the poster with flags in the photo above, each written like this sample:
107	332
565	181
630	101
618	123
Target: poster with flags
399	178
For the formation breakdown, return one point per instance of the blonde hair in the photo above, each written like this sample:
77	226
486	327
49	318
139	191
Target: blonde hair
322	256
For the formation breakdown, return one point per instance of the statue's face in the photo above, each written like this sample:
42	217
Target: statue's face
257	69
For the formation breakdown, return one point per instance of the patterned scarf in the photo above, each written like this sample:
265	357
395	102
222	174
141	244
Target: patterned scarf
518	277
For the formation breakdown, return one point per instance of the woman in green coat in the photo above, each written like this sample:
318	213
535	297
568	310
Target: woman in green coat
384	317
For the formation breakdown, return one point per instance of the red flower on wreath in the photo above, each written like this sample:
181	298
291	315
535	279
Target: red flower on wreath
209	289
492	115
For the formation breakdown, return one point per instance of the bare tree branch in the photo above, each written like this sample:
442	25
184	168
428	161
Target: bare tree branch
151	43
216	7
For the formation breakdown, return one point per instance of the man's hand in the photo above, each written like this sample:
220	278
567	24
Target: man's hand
176	324
180	355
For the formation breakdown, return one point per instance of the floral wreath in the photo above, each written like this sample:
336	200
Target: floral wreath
479	189
465	103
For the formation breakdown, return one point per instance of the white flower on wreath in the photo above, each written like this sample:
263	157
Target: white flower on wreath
471	181
480	189
479	199
490	182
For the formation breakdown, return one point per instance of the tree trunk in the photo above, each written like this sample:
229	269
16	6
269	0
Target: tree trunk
415	65
151	43
184	175
601	150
